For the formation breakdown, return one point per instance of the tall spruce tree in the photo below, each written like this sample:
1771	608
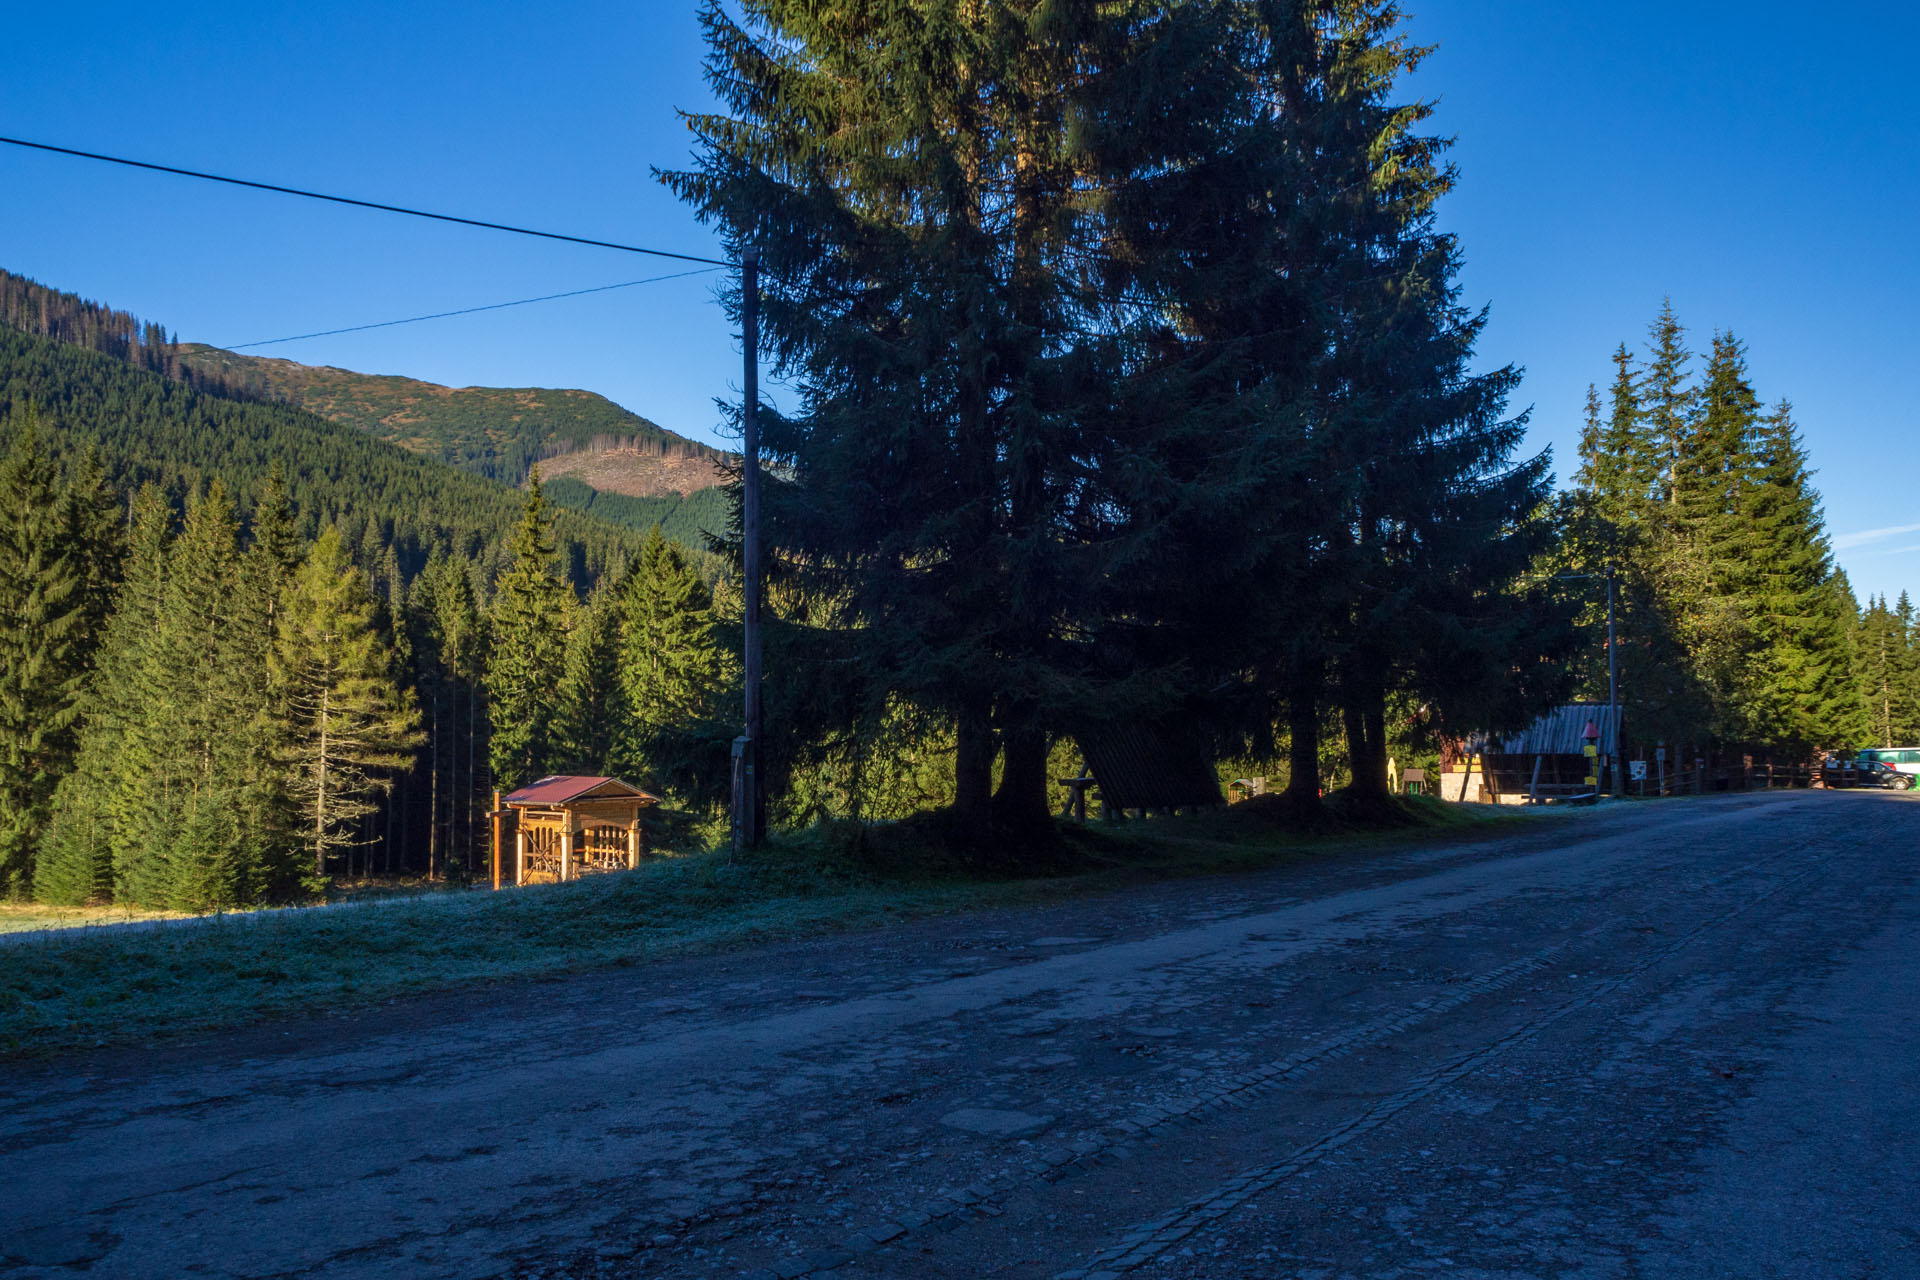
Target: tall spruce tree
910	177
1903	674
1616	464
1803	614
96	533
98	822
1402	471
592	707
195	808
350	725
527	659
1666	401
1707	563
44	645
671	670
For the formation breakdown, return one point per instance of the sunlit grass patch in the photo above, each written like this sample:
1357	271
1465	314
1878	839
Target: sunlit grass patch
24	917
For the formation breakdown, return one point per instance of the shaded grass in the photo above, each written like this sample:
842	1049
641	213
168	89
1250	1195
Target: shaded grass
87	987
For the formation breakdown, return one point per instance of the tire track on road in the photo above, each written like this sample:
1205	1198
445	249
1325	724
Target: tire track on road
1148	1240
992	1194
1051	1164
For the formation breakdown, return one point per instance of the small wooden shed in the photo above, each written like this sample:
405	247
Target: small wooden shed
1143	767
568	826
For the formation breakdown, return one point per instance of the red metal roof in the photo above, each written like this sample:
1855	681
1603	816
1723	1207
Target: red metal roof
564	787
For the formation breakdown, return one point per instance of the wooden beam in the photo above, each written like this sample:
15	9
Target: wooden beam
495	817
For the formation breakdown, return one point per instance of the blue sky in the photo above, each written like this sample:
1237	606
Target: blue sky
1748	162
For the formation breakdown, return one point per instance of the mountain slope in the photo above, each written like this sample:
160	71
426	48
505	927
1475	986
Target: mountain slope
605	459
150	427
496	431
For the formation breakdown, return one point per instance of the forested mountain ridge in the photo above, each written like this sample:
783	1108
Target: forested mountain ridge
496	431
610	461
151	428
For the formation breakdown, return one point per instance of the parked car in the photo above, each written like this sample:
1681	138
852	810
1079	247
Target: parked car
1865	772
1882	774
1905	759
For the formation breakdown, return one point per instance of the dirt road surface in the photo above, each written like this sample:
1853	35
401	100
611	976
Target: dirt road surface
1673	1039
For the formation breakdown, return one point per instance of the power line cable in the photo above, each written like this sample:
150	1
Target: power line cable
467	311
361	204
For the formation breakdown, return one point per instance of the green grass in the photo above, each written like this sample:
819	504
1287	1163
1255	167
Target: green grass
87	987
23	917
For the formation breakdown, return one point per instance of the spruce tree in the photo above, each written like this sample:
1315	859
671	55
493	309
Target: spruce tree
919	166
592	709
167	853
96	533
1903	675
449	655
1667	404
44	646
1616	464
527	657
1709	564
1877	649
671	669
1802	670
93	829
350	724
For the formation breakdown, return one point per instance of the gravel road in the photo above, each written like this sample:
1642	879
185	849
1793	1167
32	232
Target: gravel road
1672	1039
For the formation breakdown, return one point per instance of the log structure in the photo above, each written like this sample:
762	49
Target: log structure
565	827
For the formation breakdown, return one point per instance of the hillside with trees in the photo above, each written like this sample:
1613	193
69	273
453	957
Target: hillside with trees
204	708
151	429
496	432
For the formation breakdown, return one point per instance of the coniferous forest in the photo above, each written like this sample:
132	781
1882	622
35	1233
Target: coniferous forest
1134	387
1735	626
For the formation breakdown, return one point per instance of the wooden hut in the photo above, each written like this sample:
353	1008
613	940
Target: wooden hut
1143	768
1549	760
567	826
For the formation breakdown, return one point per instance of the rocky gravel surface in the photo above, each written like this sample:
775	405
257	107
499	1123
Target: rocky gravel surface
1666	1039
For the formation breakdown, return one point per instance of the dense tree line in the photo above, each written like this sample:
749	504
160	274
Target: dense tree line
1887	653
690	520
148	429
202	708
31	307
495	432
1134	377
1735	625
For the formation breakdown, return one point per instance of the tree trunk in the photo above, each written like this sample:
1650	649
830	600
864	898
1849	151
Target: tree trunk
1303	732
973	772
1020	806
320	796
1363	710
433	788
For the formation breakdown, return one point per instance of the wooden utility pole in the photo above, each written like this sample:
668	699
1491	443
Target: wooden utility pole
1613	690
747	805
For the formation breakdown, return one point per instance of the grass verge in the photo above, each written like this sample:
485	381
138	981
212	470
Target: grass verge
25	917
87	987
